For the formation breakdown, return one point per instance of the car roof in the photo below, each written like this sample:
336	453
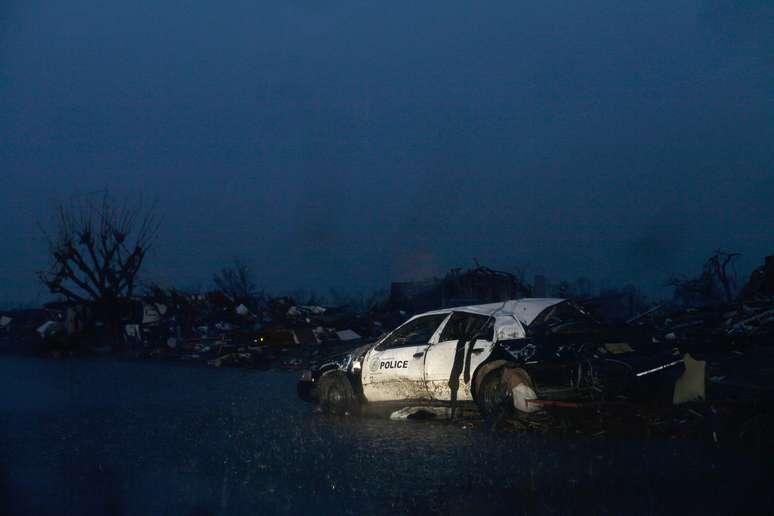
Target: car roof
524	310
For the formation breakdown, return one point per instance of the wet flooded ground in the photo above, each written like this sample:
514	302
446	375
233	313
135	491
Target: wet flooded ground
99	436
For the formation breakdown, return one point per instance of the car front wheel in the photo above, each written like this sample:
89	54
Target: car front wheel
336	395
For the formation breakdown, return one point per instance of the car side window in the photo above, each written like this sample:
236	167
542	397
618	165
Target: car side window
462	325
415	333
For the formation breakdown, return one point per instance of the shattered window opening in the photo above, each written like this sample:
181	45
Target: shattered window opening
462	325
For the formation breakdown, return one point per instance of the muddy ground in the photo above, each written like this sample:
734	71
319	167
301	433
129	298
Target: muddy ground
103	436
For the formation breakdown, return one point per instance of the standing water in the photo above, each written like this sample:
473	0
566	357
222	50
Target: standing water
109	437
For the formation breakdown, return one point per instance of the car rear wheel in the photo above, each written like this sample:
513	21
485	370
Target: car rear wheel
336	395
494	399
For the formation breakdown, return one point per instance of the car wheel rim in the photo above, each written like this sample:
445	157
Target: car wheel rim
335	396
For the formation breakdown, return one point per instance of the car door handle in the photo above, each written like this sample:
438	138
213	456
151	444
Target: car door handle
417	355
476	351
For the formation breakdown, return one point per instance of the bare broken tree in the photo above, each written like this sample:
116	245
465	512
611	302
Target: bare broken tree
97	250
236	281
719	265
716	283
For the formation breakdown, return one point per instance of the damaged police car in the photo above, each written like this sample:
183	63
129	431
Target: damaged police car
512	355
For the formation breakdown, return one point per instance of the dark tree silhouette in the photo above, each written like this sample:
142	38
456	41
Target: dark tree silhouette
719	265
715	284
97	250
236	282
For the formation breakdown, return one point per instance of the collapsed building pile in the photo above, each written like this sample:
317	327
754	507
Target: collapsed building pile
211	327
747	319
733	342
253	333
230	329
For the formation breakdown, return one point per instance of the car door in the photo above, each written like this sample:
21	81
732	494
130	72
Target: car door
439	358
394	369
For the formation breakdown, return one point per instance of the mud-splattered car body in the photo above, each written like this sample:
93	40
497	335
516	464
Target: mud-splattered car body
551	349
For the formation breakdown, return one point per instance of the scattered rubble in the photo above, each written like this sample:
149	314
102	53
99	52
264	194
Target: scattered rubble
727	339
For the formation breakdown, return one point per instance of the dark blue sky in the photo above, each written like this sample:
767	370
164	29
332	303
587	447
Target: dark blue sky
352	143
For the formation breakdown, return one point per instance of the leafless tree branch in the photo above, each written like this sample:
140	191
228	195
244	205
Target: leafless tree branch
98	249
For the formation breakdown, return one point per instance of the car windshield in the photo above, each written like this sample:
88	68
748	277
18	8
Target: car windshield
413	333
